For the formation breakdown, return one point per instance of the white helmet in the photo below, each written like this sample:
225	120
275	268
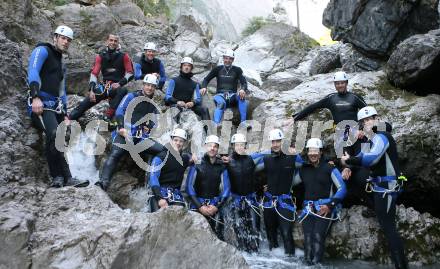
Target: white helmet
150	46
314	143
238	138
340	76
150	79
187	60
229	53
276	134
179	133
212	139
65	31
366	112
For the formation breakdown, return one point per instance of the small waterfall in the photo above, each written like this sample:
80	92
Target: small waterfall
82	165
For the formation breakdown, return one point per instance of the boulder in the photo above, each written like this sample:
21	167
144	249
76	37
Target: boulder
351	21
327	60
128	13
415	62
354	61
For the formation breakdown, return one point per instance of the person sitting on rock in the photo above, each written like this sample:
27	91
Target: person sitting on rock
242	210
117	70
184	93
47	102
208	185
384	181
135	130
167	176
228	76
149	64
321	202
278	203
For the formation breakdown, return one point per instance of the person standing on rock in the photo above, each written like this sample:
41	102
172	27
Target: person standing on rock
228	77
149	64
47	102
321	202
167	176
243	209
184	93
278	203
208	185
343	104
385	177
117	70
142	118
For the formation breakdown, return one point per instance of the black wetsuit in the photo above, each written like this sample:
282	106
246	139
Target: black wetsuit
240	212
319	183
382	160
342	106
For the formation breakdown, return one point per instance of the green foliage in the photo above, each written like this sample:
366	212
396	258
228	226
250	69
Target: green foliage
60	2
153	8
299	42
254	24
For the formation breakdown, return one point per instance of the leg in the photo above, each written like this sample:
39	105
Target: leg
242	106
85	105
308	227
385	209
115	97
154	206
322	226
286	228
201	111
271	224
251	236
110	164
220	105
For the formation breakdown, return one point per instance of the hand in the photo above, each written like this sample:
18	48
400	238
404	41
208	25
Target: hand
181	104
288	122
265	188
360	134
242	94
324	210
92	97
346	173
203	91
193	158
37	106
163	203
146	129
115	86
344	158
67	120
189	104
123	132
292	150
204	210
212	210
225	159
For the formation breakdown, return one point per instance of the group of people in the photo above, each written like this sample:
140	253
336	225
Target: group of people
224	189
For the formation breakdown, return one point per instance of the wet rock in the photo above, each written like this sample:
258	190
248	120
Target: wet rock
327	60
414	63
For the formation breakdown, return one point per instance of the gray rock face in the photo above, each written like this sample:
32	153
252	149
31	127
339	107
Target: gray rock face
354	61
128	13
85	229
327	60
352	21
357	237
415	63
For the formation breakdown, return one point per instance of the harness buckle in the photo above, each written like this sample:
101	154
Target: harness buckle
369	187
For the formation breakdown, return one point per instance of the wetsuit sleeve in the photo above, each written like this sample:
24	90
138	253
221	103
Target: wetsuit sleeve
380	146
311	108
36	61
359	101
197	96
190	180
225	187
122	107
209	77
163	76
169	99
128	66
243	81
258	158
154	178
137	71
96	69
340	185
